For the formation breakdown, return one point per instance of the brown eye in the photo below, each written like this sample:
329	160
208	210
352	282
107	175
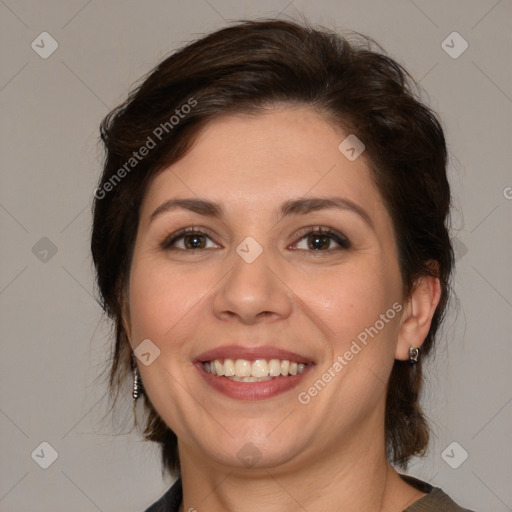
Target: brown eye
318	242
196	241
188	239
322	240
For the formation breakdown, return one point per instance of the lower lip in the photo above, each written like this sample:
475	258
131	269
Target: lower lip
252	390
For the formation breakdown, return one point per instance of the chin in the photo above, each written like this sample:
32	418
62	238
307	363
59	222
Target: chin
254	448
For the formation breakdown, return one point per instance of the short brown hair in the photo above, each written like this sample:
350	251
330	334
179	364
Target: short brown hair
246	68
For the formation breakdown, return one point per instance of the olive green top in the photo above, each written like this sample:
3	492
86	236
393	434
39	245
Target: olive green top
434	501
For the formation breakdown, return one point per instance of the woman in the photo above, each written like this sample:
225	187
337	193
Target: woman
270	238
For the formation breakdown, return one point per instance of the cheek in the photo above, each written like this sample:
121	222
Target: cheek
361	308
348	299
160	299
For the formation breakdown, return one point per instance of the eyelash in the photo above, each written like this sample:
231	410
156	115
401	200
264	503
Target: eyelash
340	239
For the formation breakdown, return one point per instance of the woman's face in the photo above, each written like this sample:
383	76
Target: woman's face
270	280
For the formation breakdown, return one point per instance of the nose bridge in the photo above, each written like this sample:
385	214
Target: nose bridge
252	286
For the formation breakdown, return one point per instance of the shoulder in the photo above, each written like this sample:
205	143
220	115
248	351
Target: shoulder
170	501
436	500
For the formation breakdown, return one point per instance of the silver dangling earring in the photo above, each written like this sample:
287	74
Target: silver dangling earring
137	382
414	354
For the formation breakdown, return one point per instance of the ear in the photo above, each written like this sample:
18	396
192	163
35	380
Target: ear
417	316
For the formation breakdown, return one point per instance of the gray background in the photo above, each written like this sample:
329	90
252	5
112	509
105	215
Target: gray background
54	340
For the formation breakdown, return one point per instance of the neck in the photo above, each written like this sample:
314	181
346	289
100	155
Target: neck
356	478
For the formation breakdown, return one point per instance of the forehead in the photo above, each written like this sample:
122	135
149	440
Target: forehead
257	161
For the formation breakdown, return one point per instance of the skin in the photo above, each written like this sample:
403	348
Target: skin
328	454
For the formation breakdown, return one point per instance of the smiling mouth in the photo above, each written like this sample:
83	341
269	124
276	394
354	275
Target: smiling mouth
258	370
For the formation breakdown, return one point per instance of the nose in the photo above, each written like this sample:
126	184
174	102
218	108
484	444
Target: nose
253	292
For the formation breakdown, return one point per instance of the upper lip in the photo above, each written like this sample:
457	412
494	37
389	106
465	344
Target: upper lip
251	354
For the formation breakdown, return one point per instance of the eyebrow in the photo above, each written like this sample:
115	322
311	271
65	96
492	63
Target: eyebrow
301	206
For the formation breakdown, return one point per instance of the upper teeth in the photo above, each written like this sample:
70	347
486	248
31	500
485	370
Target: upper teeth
259	368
